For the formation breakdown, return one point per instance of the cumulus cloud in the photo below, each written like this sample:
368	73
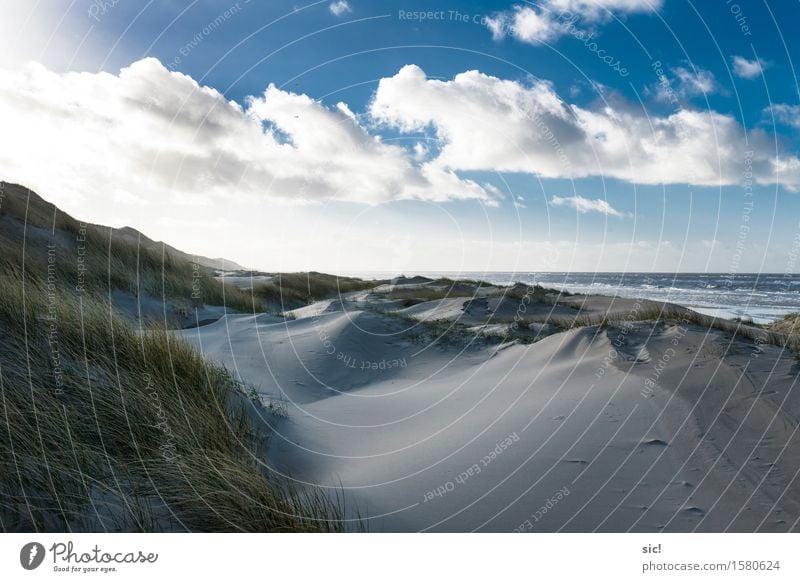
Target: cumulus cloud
586	205
487	123
747	69
149	134
340	7
551	19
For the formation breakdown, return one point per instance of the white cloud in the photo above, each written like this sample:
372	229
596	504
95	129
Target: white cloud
785	114
420	151
126	198
746	69
159	136
551	19
696	82
526	24
602	9
586	205
340	7
486	123
684	84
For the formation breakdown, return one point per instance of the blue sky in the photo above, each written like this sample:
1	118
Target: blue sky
537	218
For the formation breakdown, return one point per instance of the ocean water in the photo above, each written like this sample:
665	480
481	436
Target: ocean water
763	297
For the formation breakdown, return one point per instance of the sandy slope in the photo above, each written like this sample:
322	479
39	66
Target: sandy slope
649	428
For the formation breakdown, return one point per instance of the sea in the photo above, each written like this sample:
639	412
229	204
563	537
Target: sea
762	297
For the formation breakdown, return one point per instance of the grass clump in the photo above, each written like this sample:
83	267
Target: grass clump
788	326
417	295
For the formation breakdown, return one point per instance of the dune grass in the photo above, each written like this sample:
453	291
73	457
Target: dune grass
445	288
290	290
102	428
676	314
417	295
788	326
536	294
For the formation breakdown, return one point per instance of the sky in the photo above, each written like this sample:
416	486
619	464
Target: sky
354	136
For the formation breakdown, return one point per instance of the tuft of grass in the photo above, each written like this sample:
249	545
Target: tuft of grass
412	296
536	293
789	326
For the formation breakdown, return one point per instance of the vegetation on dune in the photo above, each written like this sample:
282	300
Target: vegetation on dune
290	290
526	329
448	288
102	428
444	332
96	261
45	244
538	294
459	283
417	295
788	326
676	314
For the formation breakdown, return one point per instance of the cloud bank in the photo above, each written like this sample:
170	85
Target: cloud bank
148	135
152	134
491	124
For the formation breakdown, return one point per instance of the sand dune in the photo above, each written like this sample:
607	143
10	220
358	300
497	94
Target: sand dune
642	426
